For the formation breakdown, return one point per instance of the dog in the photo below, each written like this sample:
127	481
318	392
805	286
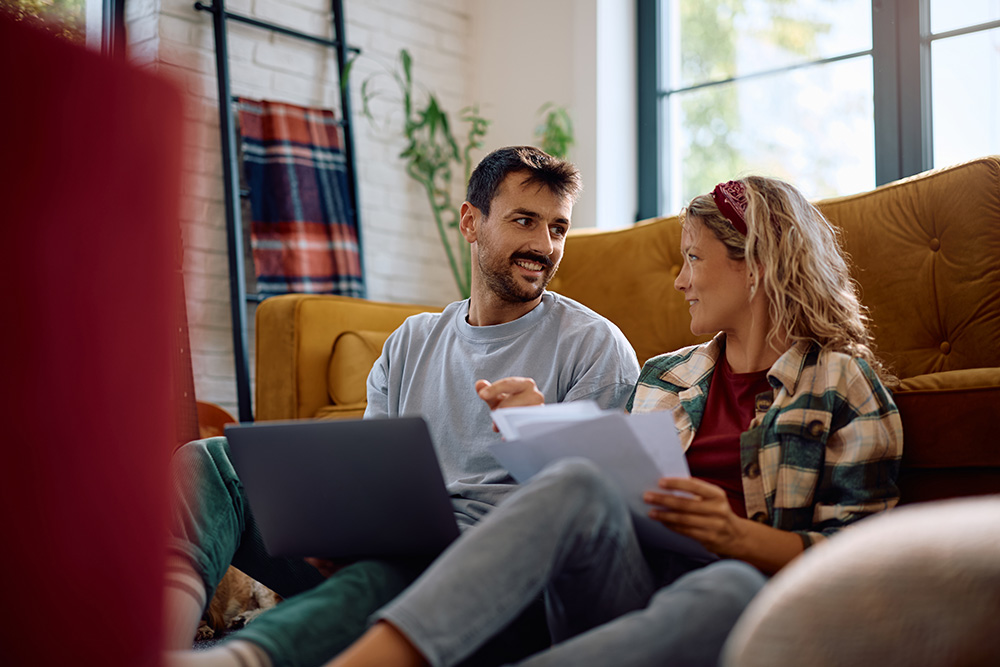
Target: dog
238	600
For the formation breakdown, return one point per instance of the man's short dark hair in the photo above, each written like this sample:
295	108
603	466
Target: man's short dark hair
559	176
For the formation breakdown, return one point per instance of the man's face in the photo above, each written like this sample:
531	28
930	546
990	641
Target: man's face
520	244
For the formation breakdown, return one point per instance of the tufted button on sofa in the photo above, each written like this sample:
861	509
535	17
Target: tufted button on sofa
926	254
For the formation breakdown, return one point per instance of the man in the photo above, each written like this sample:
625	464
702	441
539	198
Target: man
516	218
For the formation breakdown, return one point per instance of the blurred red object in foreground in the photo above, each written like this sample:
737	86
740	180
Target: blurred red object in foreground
89	187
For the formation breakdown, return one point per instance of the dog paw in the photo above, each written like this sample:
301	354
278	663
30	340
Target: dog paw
204	632
241	619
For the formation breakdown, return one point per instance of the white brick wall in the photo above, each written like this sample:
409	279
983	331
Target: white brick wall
402	254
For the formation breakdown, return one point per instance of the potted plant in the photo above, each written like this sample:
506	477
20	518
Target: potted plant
433	152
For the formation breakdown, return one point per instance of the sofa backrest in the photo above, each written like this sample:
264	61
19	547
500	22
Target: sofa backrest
628	276
925	250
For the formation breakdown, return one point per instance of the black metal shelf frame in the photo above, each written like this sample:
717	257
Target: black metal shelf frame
227	129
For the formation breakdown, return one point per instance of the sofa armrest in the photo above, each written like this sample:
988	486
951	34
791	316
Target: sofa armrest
294	343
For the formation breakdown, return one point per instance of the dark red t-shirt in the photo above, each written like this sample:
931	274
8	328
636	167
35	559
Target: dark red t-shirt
714	455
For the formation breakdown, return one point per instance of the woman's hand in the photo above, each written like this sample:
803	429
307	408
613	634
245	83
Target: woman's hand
703	513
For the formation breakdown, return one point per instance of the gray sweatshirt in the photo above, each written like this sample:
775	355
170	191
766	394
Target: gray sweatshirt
430	364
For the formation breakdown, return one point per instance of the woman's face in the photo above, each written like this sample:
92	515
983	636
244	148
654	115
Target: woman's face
716	287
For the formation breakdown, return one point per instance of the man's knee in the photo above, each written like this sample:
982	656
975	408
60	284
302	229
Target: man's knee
204	450
201	461
207	492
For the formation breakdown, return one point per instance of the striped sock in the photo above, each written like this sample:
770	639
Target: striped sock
184	603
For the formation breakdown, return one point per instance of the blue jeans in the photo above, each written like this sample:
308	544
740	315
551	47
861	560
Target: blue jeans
568	535
212	525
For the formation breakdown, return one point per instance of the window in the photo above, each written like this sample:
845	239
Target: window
95	23
964	79
834	95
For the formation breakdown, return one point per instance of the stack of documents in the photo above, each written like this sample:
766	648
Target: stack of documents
634	451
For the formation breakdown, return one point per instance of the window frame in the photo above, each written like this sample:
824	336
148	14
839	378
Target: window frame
113	40
901	60
103	25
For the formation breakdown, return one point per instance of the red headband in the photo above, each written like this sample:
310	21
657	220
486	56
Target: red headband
731	198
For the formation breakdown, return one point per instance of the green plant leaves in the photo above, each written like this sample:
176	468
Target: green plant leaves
555	132
431	153
407	60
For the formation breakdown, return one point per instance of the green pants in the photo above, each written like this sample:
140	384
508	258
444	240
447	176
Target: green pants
213	527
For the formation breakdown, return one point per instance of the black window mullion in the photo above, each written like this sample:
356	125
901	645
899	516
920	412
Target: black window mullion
967	30
902	77
113	28
916	145
885	60
650	125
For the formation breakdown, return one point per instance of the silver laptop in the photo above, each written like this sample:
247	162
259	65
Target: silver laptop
344	488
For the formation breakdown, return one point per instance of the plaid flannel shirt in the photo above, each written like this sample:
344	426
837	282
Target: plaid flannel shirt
823	449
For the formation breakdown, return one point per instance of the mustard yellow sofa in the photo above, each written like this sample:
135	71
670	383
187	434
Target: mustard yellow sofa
926	253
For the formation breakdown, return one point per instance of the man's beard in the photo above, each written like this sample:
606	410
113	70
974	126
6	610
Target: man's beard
501	280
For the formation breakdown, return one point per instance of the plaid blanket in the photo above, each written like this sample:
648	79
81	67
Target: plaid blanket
303	233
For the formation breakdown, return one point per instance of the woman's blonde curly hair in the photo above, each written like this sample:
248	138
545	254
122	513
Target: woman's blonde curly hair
803	270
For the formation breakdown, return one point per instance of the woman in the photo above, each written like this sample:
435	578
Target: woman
790	435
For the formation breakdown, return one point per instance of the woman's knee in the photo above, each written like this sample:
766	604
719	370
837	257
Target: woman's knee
579	478
582	492
741	579
732	583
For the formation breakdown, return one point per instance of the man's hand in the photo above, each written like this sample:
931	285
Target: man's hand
702	513
509	392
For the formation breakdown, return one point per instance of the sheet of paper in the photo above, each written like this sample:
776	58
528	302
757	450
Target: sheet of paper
515	423
656	433
634	451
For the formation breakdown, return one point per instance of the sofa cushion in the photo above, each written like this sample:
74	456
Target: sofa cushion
354	354
351	411
944	418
